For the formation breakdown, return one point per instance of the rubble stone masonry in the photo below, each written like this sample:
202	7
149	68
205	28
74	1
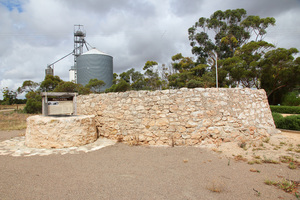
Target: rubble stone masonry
181	117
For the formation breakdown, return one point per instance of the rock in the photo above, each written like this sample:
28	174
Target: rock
223	113
162	122
191	124
60	132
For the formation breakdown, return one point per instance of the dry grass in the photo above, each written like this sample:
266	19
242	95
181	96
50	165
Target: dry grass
13	120
215	186
15	107
289	186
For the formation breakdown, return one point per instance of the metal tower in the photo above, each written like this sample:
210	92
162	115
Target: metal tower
79	41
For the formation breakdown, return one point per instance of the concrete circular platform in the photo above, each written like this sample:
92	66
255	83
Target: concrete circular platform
60	131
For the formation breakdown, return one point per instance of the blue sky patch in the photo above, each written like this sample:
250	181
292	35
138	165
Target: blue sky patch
12	4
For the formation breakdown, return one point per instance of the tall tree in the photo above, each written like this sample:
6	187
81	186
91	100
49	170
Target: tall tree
189	74
71	87
9	96
230	29
28	86
244	67
49	83
152	76
280	73
95	85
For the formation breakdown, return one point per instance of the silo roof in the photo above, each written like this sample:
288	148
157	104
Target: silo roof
95	51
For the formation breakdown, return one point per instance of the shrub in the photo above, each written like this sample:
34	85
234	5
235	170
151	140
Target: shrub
122	86
286	109
277	116
289	122
34	103
291	99
33	106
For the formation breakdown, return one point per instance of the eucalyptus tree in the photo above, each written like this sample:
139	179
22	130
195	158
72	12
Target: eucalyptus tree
224	32
280	73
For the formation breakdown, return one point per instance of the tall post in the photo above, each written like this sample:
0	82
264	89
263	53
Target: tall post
216	55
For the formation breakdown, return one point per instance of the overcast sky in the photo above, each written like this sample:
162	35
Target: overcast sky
34	33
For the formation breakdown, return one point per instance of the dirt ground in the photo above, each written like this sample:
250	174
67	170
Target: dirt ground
138	172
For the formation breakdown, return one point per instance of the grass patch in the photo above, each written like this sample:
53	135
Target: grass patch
290	149
13	120
276	148
270	182
254	170
258	149
257	157
240	158
135	141
292	165
282	143
286	159
252	162
15	107
266	140
268	160
215	186
286	185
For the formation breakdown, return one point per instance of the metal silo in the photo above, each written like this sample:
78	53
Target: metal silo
95	64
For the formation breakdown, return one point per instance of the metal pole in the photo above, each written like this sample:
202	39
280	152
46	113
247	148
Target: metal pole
216	55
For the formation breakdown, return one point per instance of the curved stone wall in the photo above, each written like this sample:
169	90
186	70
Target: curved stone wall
60	132
181	117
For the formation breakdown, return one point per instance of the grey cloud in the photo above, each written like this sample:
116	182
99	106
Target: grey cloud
133	32
186	7
104	7
267	8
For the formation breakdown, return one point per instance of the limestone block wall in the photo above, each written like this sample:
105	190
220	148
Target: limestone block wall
60	132
181	117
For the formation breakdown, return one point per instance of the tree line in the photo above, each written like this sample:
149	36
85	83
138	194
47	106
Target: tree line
230	40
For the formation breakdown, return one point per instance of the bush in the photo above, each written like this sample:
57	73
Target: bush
286	109
34	103
289	122
277	116
122	86
33	106
291	99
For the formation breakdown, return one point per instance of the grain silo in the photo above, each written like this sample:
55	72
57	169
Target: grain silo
95	64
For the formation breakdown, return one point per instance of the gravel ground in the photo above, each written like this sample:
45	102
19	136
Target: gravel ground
138	172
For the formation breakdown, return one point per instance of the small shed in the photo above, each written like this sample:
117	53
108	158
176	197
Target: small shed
59	103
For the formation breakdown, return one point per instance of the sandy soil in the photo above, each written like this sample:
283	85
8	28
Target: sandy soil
277	146
138	172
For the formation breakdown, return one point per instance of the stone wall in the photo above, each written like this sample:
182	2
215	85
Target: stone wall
60	131
181	117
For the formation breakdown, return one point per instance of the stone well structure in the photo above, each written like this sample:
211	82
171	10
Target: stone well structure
60	131
181	117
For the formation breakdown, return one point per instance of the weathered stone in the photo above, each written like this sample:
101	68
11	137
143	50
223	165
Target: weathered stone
180	129
142	138
201	113
162	122
60	132
191	124
206	122
159	143
140	108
